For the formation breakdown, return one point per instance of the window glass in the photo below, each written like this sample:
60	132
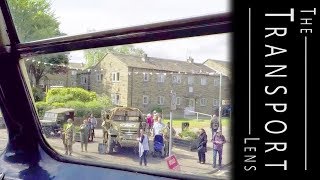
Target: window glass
3	134
83	95
35	19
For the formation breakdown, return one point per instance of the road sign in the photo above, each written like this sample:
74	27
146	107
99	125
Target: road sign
173	163
173	101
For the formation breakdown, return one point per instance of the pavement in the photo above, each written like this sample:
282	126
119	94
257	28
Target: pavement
186	159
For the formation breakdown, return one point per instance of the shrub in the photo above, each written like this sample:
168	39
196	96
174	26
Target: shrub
70	94
57	105
38	94
79	107
42	107
95	108
187	134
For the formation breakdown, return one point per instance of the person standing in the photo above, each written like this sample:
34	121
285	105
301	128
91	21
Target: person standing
158	132
149	122
84	133
69	137
218	141
202	146
93	125
215	124
143	147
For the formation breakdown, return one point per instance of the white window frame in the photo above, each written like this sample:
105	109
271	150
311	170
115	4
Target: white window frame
160	77
73	72
203	102
215	102
178	99
216	82
160	100
176	79
83	80
203	81
145	77
99	77
116	77
114	99
190	80
143	98
190	89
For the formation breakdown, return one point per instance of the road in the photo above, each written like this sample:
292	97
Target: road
187	159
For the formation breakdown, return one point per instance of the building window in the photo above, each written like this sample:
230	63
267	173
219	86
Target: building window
216	82
73	72
161	77
145	77
160	100
83	80
203	102
115	77
203	81
190	80
99	77
177	100
115	98
190	89
145	99
176	79
215	102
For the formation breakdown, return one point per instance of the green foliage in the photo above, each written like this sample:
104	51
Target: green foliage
57	105
95	108
104	100
93	56
38	94
35	20
42	107
187	134
70	94
157	109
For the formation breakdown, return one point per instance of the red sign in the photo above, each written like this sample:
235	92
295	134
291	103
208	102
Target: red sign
173	163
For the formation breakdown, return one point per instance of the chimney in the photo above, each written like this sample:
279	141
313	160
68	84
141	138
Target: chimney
144	57
190	60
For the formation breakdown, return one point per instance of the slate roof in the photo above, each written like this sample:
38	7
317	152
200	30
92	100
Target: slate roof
162	64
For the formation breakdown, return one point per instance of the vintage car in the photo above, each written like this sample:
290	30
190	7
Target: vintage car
54	119
121	127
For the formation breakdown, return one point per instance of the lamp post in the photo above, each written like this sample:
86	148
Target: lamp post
220	101
173	107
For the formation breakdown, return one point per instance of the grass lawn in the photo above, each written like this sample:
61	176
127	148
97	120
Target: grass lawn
194	123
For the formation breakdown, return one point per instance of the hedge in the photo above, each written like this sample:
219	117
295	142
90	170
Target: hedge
69	94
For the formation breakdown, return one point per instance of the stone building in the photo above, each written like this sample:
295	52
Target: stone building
146	82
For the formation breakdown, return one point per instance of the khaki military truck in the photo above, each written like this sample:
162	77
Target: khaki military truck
121	127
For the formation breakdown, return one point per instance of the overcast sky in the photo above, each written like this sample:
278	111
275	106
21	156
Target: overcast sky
81	16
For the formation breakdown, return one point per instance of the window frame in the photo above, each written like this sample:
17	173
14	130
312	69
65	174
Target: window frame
203	102
161	103
189	27
145	96
178	102
115	77
203	81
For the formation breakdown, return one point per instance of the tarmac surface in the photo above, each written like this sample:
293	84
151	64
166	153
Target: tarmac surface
186	159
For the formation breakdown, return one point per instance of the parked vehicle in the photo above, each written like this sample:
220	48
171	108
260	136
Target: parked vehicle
121	127
53	121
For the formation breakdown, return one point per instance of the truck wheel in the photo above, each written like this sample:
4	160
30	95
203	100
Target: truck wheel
109	148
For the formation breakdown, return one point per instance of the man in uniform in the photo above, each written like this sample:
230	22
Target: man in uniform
68	137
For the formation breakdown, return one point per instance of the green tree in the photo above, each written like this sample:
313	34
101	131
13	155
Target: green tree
35	20
93	56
